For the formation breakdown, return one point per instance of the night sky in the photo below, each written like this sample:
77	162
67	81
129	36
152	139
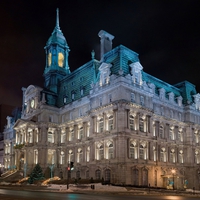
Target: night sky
165	34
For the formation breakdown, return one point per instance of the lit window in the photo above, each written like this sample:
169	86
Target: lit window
131	122
141	124
163	155
171	134
133	150
88	154
110	122
71	156
80	132
180	156
62	157
50	137
172	156
101	152
71	135
110	151
141	152
63	137
80	156
161	131
101	124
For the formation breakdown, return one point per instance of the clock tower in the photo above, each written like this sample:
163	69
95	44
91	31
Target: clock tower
57	51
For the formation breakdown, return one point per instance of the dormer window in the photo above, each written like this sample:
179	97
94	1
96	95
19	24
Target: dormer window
162	93
136	71
179	100
104	73
65	99
197	101
171	97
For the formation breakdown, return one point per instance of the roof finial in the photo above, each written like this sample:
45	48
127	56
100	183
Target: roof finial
57	18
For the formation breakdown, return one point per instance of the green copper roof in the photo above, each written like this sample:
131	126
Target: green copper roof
57	36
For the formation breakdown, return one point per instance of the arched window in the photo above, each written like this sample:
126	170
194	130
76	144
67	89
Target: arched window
163	155
145	177
196	156
107	175
80	156
63	137
196	136
62	157
80	133
131	122
155	178
51	156
30	137
50	137
110	151
135	177
180	135
71	135
35	156
141	150
171	133
133	150
172	156
101	152
154	154
141	124
110	123
71	155
180	156
88	154
161	131
87	174
98	174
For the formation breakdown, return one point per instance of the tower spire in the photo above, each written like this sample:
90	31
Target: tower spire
57	19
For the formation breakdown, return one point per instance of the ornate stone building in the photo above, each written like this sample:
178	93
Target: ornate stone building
110	118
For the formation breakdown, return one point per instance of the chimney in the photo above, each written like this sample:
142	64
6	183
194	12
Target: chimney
106	42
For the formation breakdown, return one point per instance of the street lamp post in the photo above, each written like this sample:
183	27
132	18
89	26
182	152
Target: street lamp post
173	172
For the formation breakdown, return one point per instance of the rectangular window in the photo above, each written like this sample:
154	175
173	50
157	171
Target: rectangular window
100	101
132	97
142	100
141	125
110	97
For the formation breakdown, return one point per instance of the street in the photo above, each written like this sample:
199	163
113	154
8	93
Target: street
33	195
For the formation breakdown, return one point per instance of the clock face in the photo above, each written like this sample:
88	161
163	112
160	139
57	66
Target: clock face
60	59
32	103
49	59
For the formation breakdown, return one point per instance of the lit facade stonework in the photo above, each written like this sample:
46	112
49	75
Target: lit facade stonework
111	119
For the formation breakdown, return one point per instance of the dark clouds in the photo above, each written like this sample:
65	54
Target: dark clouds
164	33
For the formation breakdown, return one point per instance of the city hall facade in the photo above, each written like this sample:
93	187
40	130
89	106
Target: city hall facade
111	118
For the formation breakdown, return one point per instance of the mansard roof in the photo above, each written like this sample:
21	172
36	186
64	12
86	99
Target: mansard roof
120	58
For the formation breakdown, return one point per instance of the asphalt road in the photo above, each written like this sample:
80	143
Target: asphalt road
44	195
